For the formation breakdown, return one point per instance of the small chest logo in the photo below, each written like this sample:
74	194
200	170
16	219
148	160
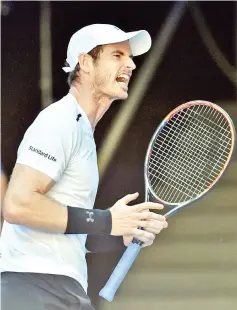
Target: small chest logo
90	218
78	117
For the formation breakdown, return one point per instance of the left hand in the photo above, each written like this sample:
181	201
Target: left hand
152	226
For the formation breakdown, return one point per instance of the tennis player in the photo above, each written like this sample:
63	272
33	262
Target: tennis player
50	219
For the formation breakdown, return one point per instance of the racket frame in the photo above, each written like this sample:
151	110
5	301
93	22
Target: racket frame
148	188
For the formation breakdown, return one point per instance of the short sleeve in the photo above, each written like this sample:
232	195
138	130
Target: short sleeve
48	144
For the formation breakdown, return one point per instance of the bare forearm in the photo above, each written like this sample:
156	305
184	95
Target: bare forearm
37	211
26	203
42	213
3	192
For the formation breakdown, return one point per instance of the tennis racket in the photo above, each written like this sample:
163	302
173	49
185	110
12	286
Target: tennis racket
186	156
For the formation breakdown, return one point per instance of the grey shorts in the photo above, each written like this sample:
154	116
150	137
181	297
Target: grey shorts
35	291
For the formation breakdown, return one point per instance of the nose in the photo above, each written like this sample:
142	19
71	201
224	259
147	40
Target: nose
130	64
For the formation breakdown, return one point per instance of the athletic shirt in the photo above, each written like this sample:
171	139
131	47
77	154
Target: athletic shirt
59	143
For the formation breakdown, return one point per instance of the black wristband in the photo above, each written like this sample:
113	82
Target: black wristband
87	221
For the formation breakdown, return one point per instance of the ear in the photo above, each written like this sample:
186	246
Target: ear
85	62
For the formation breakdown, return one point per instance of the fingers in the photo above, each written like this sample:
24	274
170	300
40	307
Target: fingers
148	205
147	235
154	223
150	216
153	226
143	235
125	219
145	241
130	197
147	244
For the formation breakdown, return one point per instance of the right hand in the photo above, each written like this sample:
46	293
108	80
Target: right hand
127	220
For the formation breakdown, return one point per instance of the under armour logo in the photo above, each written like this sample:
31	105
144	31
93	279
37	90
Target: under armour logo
78	117
90	214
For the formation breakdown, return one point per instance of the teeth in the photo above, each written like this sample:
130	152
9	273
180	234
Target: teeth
123	79
124	76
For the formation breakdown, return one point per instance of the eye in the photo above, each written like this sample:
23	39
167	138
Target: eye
117	55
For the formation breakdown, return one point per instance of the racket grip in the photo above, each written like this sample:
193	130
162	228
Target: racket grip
120	271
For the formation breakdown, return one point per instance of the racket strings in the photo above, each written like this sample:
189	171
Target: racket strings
184	167
209	135
196	179
212	123
189	153
190	164
193	150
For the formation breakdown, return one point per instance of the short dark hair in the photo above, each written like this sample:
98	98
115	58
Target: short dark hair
75	74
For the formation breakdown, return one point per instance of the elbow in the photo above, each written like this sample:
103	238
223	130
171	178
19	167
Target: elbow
9	212
13	209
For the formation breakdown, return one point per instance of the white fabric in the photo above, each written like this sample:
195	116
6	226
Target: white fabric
64	149
87	38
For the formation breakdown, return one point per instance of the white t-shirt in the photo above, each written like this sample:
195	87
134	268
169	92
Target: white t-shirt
59	143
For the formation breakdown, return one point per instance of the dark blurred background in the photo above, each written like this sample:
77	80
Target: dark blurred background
186	72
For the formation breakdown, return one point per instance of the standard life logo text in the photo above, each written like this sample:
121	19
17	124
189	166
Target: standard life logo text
41	153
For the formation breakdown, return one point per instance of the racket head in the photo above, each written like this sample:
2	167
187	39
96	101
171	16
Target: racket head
177	142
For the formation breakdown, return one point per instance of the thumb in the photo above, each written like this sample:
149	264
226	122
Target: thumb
130	197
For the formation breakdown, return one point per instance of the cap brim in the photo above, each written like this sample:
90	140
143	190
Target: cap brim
140	42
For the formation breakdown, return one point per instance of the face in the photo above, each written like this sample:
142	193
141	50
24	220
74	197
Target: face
112	71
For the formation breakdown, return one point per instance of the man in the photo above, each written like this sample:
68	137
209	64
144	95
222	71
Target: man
48	208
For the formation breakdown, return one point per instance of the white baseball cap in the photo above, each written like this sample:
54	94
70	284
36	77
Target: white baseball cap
87	38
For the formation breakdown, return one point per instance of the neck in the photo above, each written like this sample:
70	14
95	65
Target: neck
94	105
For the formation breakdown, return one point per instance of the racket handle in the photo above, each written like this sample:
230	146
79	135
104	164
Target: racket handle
120	271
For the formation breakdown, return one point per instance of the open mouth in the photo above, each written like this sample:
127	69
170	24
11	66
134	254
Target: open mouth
123	79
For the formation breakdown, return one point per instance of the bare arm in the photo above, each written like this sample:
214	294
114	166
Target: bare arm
3	192
26	204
